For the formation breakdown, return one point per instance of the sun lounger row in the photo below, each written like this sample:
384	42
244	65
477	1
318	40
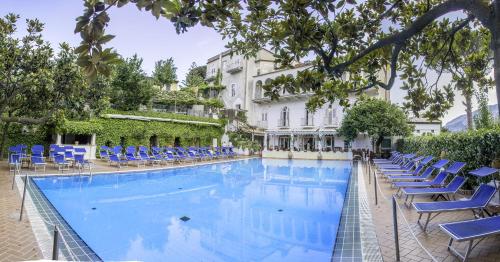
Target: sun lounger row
142	156
61	156
414	175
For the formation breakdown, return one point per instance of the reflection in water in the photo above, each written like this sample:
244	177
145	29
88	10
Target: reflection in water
246	210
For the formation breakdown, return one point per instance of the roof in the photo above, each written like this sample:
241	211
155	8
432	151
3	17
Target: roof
417	120
227	52
299	65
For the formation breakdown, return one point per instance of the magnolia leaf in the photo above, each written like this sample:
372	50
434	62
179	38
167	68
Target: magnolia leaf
105	38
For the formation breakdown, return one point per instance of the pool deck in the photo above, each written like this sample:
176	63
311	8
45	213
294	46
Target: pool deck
17	241
435	240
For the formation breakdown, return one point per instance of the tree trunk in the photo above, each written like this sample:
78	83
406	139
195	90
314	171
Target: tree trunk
3	142
378	142
468	109
496	49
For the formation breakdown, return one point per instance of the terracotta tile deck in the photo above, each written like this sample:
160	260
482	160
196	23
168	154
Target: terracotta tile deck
435	241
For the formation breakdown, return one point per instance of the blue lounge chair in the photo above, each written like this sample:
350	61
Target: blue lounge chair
415	172
80	151
438	181
408	166
477	203
398	162
470	230
132	158
453	169
422	177
231	152
104	153
61	163
452	188
37	161
81	162
117	150
144	156
130	150
114	159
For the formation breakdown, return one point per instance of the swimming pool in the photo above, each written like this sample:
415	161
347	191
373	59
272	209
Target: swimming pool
254	209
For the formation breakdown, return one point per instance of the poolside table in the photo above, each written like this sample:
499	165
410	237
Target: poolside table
485	172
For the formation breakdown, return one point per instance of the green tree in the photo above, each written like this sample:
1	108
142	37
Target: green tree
483	119
375	117
130	87
349	44
165	73
195	76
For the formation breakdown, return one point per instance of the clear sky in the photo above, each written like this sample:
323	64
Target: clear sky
139	32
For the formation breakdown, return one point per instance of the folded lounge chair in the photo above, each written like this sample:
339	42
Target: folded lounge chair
450	189
477	203
470	230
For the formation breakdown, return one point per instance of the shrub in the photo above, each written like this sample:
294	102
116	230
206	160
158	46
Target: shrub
477	147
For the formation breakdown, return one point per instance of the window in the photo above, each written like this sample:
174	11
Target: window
264	117
233	90
258	71
418	131
238	106
284	118
432	130
331	114
258	90
308	119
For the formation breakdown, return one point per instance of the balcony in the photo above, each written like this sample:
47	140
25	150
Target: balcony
262	124
331	122
234	67
282	123
210	77
307	122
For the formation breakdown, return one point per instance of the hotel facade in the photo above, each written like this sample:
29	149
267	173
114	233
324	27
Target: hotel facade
285	127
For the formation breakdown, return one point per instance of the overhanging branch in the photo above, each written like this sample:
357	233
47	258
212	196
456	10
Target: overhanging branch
475	7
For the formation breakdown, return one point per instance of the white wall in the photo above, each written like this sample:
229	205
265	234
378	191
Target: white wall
426	128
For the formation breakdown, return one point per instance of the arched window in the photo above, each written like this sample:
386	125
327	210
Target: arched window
258	90
284	118
331	115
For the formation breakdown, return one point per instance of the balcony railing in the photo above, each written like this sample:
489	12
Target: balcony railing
262	124
282	123
307	122
234	67
331	122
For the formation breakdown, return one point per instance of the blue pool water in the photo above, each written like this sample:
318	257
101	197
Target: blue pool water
249	210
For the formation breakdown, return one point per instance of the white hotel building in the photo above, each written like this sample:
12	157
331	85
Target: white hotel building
286	128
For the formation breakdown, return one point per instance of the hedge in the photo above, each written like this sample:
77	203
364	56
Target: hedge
477	148
123	131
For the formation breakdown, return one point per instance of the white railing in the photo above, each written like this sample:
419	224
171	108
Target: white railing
234	66
262	124
307	121
331	122
282	123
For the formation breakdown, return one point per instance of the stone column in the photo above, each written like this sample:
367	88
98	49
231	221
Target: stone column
265	142
292	142
58	139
